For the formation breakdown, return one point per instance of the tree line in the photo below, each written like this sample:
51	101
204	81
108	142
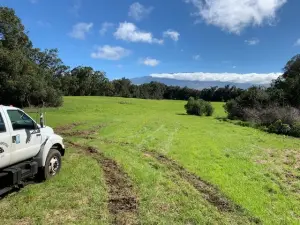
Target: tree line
274	109
84	81
30	76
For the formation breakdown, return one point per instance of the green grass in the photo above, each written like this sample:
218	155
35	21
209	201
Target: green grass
256	170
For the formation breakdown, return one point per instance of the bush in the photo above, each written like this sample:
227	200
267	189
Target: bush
287	115
295	130
268	116
244	123
253	98
272	109
209	110
233	109
198	107
279	128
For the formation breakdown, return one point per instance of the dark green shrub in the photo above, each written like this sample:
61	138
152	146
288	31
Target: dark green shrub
233	109
276	108
295	130
279	128
285	128
209	110
244	123
198	107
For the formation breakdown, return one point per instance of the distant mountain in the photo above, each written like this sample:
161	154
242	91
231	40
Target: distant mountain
190	84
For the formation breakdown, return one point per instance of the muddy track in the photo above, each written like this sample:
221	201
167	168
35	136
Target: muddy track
123	201
65	128
208	191
66	131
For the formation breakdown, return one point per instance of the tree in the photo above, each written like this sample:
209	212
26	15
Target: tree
23	81
287	86
122	87
12	31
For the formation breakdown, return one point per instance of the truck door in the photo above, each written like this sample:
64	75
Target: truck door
26	138
5	143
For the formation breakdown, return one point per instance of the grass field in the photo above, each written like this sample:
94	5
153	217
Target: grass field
132	161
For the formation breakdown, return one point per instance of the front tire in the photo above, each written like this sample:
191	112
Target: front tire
52	165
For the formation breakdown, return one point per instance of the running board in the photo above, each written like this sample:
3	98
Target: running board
5	190
15	175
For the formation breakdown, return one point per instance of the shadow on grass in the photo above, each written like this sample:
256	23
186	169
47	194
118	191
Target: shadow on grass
16	189
222	118
182	114
244	124
185	114
240	123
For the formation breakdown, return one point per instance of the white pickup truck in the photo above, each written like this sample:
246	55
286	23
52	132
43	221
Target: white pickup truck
27	149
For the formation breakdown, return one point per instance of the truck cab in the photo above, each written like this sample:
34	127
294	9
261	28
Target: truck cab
27	148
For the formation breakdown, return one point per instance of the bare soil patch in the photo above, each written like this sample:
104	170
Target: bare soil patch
86	134
67	127
123	201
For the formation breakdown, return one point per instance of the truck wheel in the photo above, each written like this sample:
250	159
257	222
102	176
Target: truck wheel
52	165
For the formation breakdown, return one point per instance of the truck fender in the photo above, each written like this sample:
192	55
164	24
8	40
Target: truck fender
53	141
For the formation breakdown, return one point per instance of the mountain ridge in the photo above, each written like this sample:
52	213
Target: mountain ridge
188	83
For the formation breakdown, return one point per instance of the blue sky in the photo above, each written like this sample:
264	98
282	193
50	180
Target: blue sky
139	38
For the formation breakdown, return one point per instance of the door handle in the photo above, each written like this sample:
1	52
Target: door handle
38	135
16	139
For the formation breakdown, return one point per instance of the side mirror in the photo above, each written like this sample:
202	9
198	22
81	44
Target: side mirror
36	127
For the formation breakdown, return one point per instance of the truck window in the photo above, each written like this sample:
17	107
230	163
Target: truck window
20	120
2	125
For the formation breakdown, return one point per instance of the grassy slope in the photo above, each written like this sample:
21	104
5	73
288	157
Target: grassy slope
259	171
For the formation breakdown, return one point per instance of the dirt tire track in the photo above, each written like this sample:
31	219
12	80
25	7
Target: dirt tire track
86	134
123	202
208	191
64	128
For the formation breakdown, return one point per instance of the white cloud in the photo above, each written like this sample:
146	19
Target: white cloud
252	41
110	52
254	78
80	30
196	57
236	15
297	43
129	32
138	12
105	26
150	62
174	35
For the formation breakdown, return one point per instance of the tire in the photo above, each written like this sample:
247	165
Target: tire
52	165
